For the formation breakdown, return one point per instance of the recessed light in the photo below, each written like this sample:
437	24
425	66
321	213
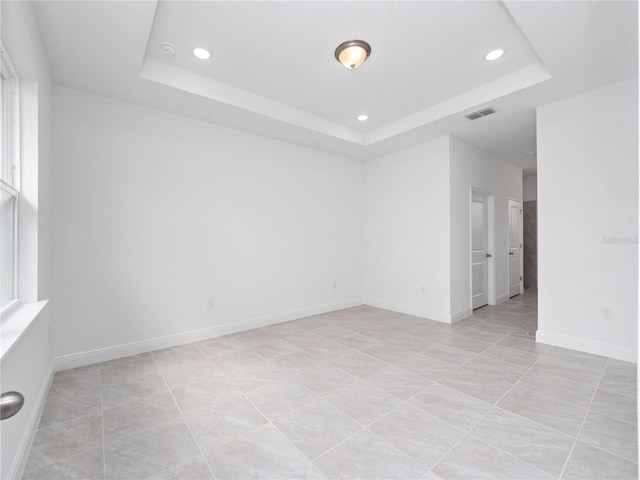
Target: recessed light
494	55
363	117
201	53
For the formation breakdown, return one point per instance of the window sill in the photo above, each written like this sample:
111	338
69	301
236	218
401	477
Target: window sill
16	322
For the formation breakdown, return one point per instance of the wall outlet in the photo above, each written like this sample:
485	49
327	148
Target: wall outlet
423	290
335	285
211	304
606	313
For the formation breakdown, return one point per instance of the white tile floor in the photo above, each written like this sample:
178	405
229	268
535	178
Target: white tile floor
360	393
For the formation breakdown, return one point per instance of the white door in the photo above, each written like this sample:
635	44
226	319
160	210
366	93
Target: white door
479	251
515	248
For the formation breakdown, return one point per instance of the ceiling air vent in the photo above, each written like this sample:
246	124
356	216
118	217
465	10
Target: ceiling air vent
486	111
480	113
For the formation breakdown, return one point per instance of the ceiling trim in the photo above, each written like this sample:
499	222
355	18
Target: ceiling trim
187	81
470	100
176	77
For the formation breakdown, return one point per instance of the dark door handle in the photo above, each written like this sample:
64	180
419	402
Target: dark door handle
510	253
488	254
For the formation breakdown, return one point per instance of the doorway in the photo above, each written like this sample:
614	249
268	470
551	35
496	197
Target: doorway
530	241
515	248
482	278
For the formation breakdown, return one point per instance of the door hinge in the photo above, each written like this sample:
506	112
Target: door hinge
520	278
520	212
520	245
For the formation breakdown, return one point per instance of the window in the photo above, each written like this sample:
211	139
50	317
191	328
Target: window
9	183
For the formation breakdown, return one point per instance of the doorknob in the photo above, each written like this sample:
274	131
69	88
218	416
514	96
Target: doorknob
10	404
488	254
510	253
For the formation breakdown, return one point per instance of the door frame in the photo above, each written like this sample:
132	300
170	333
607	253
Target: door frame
521	234
491	263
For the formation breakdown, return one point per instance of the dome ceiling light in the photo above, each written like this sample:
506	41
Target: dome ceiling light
353	53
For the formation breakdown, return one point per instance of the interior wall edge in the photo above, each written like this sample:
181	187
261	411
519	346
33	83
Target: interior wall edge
461	314
502	298
414	310
67	362
588	346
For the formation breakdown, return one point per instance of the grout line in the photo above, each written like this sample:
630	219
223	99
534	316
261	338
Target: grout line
405	402
353	351
609	453
104	452
595	447
268	418
468	433
495	405
54	425
183	418
552	398
323	400
584	419
509	454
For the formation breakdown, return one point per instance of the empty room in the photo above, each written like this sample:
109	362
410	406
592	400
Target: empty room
319	240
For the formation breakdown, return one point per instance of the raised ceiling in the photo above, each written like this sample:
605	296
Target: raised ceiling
272	69
283	51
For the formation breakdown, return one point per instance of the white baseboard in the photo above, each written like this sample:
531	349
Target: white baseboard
22	454
91	357
409	310
588	346
461	314
502	298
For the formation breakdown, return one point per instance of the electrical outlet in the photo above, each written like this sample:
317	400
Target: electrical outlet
335	285
606	313
211	304
422	290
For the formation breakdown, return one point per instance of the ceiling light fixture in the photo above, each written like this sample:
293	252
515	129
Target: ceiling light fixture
363	118
353	53
494	55
202	53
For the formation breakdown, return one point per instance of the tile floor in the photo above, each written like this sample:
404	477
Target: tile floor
359	393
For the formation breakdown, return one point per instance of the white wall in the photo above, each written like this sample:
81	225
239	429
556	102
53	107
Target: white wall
406	230
530	188
27	367
416	228
588	221
471	167
155	213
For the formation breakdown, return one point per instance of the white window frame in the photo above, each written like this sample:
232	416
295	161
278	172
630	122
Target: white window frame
10	159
